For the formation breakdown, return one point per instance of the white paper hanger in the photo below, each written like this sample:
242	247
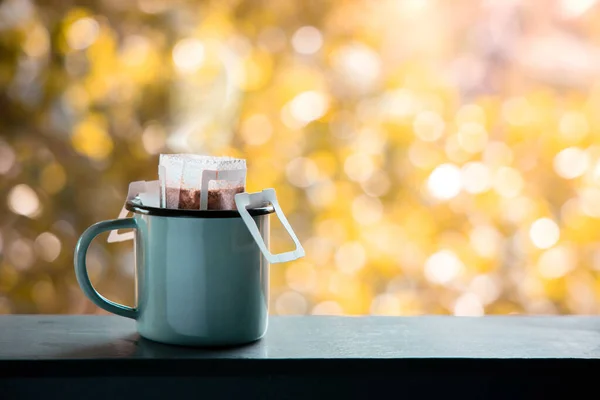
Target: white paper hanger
245	200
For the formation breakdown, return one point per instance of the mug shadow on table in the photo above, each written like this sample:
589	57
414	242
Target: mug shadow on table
133	346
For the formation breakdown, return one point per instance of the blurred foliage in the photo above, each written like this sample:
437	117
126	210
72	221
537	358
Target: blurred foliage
433	157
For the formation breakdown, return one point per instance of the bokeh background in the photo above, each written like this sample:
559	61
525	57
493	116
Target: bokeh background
434	157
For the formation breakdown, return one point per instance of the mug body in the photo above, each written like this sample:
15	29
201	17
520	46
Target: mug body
200	281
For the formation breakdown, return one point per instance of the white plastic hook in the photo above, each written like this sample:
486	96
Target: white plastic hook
213	175
145	190
245	200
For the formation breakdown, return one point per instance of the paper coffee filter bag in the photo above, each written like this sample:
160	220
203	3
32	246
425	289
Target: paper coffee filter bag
190	181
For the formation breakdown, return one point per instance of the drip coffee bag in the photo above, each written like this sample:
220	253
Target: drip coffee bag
195	182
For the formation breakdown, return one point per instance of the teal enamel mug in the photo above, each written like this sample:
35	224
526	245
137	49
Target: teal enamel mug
202	277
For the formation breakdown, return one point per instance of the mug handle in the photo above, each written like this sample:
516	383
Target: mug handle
245	200
81	268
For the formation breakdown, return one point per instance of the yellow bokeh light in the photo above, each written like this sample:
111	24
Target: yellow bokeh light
44	294
188	55
135	50
307	40
257	71
590	201
386	304
326	163
472	137
377	185
7	158
302	172
383	238
443	267
424	155
399	104
53	178
91	140
367	210
82	33
470	113
455	151
78	98
308	106
486	288
290	303
37	43
154	138
370	141
350	257
301	276
486	241
319	249
428	126
571	214
328	308
411	257
359	167
517	111
573	9
544	233
517	209
358	64
322	194
497	154
256	129
445	182
476	177
556	262
333	229
23	200
141	59
272	39
468	305
47	246
573	127
508	182
571	162
20	254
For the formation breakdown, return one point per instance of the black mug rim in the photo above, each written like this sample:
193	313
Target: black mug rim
138	208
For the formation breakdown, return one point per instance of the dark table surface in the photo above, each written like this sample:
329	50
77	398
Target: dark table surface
305	356
97	337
